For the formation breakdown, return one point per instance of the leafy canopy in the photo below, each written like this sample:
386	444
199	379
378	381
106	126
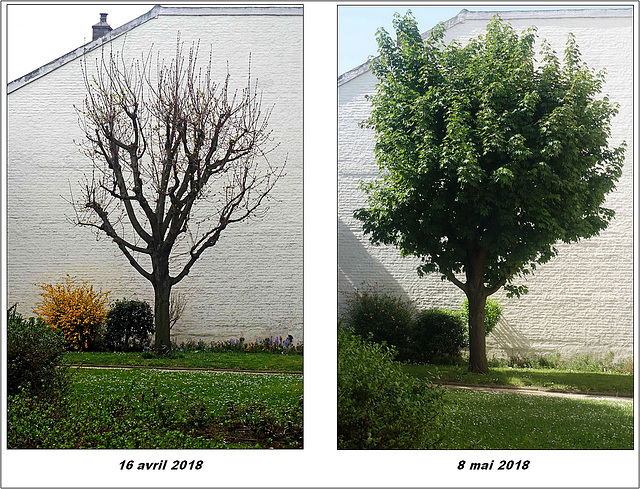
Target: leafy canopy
485	153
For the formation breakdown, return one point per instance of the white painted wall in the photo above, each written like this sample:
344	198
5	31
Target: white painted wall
250	283
579	303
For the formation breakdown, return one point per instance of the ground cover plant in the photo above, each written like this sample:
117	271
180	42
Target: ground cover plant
153	409
550	379
482	420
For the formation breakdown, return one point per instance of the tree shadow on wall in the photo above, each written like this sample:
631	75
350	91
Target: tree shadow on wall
356	267
510	340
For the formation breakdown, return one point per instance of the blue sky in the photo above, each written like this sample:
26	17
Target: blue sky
357	24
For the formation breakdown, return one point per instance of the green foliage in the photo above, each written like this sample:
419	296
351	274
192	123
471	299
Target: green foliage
487	158
138	409
379	406
259	422
129	421
437	336
129	325
492	313
34	357
379	316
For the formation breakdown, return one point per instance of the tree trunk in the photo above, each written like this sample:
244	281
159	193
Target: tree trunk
477	337
161	315
162	288
477	296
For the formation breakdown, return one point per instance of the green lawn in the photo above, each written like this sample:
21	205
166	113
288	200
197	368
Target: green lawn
231	361
214	388
552	379
482	420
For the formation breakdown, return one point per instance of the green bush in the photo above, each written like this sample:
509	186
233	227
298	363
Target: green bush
492	313
379	406
437	336
34	357
129	325
380	317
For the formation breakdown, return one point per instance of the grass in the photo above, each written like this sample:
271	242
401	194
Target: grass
231	361
482	420
136	408
216	389
550	379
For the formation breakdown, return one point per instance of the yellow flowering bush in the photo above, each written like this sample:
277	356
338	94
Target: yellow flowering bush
77	310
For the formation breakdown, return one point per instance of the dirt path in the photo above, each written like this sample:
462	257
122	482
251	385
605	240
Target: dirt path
538	392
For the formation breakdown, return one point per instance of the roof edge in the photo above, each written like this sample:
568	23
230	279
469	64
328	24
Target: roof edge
465	14
233	10
156	11
90	46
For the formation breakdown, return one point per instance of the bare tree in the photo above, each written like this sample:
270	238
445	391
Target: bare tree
177	305
177	158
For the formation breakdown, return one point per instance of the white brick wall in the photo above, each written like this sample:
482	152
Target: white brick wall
250	283
579	303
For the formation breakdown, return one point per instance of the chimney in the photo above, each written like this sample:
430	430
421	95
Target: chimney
101	28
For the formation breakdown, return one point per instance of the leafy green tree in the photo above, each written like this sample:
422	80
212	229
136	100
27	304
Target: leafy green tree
487	158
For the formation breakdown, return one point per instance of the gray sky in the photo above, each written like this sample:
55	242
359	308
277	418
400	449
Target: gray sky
357	25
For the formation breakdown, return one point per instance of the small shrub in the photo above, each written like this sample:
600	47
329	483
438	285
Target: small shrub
77	311
379	406
379	317
437	336
492	313
129	325
34	357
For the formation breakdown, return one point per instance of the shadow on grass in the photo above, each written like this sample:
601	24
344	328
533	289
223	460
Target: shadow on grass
560	380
